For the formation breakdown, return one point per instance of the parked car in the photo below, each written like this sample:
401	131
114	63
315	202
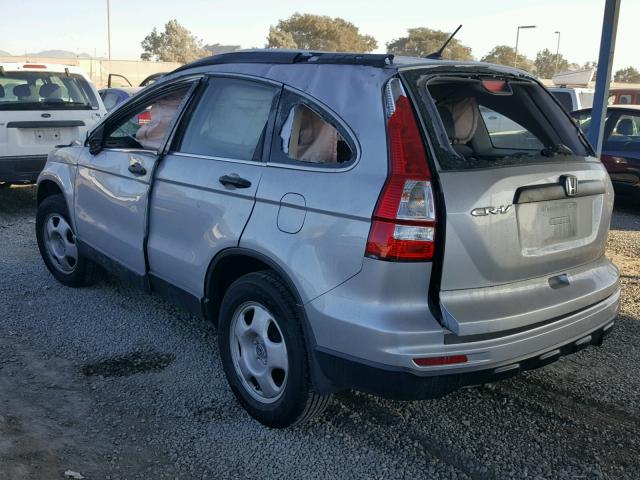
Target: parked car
624	96
150	80
112	97
341	239
621	145
573	98
41	105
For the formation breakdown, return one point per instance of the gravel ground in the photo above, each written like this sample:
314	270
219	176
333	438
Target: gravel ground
117	384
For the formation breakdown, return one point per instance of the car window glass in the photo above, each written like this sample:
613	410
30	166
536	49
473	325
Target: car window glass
308	137
147	128
506	133
110	100
565	100
626	129
230	120
624	99
26	90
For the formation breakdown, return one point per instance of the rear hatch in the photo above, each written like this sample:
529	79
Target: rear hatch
41	108
527	209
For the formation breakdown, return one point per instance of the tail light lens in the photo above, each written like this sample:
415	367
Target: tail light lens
144	117
404	221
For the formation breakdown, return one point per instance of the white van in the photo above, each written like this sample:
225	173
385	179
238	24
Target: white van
41	106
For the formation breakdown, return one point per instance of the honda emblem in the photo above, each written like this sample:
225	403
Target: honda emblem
570	185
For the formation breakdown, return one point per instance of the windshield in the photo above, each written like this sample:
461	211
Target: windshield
45	91
482	121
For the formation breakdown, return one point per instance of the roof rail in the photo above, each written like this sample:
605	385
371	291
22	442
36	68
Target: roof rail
292	56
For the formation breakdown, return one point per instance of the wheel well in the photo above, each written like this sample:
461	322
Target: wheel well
46	189
223	273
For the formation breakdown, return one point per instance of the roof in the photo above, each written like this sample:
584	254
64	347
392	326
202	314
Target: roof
128	90
277	56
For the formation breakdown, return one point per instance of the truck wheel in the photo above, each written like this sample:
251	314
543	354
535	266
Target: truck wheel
57	244
264	353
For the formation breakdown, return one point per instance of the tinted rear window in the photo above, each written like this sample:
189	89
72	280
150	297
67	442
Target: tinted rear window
45	91
565	100
485	122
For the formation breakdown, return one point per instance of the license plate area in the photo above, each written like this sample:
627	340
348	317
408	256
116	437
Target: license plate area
548	227
47	135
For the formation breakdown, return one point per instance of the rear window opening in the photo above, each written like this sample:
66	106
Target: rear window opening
45	91
307	137
484	121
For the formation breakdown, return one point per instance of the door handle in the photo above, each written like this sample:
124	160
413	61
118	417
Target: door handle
235	181
137	169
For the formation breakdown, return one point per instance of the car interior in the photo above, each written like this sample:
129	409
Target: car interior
493	121
307	137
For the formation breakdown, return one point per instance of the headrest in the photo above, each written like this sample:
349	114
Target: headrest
22	90
1	91
625	127
464	114
50	90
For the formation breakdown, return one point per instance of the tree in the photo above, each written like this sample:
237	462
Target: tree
545	63
423	41
506	55
175	44
627	75
317	32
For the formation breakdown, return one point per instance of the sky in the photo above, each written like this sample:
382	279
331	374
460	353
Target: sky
80	26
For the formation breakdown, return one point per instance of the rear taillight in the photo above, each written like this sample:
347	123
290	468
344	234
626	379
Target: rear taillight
403	223
144	117
34	65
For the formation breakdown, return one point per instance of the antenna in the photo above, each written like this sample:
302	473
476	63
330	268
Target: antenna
438	55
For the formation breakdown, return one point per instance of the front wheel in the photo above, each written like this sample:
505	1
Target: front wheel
264	353
58	247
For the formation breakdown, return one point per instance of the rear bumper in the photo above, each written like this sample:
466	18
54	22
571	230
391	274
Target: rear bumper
398	384
489	359
21	169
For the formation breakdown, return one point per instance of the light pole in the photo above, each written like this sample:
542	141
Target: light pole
515	62
109	29
557	53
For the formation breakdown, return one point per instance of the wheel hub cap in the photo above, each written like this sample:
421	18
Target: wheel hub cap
259	352
60	243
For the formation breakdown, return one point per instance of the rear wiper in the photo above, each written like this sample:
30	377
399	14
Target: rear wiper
557	149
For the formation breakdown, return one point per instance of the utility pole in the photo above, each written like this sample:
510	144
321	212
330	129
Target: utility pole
515	61
555	70
109	29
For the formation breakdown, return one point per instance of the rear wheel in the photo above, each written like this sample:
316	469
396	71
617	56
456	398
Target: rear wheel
264	353
58	247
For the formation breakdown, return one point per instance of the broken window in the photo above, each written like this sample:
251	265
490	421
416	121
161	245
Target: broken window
308	137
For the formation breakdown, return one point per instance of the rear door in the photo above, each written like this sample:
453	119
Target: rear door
527	208
205	187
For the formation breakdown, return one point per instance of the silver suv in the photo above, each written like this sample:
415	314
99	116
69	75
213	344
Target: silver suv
348	221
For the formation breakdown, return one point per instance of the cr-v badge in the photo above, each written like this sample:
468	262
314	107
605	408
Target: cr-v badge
484	211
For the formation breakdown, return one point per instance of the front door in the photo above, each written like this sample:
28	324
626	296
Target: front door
112	185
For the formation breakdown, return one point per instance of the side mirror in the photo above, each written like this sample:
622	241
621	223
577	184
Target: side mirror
95	141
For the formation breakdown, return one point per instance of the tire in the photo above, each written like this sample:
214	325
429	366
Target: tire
261	302
58	247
